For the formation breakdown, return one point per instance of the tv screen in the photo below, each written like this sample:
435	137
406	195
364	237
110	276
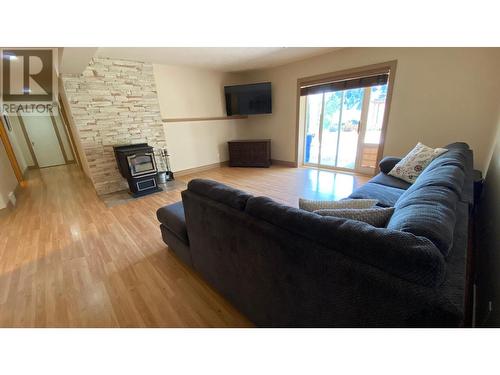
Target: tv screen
251	99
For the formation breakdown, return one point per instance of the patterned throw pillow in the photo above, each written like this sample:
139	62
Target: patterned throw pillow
312	205
376	216
410	167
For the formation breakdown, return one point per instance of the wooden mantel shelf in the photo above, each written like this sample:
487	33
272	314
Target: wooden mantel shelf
190	119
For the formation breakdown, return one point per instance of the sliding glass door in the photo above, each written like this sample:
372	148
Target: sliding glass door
343	128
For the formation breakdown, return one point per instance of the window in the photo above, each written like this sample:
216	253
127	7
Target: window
343	121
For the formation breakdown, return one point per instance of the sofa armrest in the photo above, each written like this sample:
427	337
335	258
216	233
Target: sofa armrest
387	163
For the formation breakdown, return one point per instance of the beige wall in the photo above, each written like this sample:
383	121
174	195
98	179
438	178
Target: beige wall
195	93
441	95
8	181
186	92
196	144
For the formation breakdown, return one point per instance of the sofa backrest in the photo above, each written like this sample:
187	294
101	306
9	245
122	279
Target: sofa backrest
220	193
428	207
401	254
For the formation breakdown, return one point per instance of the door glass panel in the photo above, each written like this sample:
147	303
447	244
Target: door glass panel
333	129
313	116
349	128
376	108
331	118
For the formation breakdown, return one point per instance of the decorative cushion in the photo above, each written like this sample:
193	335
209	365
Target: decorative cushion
378	217
387	163
313	205
410	167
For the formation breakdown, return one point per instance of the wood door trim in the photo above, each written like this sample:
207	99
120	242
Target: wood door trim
65	120
320	128
362	129
59	140
11	155
27	138
384	67
67	138
388	101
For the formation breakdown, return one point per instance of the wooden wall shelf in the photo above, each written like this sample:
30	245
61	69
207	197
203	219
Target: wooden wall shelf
191	119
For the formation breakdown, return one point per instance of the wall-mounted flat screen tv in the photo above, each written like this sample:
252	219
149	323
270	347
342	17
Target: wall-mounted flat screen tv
251	99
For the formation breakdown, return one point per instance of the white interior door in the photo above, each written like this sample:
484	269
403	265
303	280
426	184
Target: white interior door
43	138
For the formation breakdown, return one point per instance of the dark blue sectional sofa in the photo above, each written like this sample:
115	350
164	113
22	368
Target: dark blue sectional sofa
285	267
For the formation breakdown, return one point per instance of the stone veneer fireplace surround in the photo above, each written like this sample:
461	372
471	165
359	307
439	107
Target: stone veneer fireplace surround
113	102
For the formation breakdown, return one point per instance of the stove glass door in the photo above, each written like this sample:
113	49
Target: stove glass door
141	164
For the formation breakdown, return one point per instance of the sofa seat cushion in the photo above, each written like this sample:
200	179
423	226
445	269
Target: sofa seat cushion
172	217
386	180
401	254
220	193
177	245
385	195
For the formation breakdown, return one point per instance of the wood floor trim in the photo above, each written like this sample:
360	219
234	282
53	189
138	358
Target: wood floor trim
284	163
202	168
208	167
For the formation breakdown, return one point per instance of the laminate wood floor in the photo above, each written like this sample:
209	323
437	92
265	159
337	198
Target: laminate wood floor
67	260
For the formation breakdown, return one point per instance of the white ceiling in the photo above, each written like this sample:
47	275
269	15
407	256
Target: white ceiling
230	59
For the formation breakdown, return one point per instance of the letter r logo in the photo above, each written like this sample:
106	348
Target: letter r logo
27	75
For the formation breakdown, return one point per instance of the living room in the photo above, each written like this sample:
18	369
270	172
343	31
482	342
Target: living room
329	186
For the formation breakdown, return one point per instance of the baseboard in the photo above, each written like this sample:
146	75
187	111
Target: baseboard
202	168
284	163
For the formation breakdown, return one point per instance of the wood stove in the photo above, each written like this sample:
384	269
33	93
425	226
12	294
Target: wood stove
137	164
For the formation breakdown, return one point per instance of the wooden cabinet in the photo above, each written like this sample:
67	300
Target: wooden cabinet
250	153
